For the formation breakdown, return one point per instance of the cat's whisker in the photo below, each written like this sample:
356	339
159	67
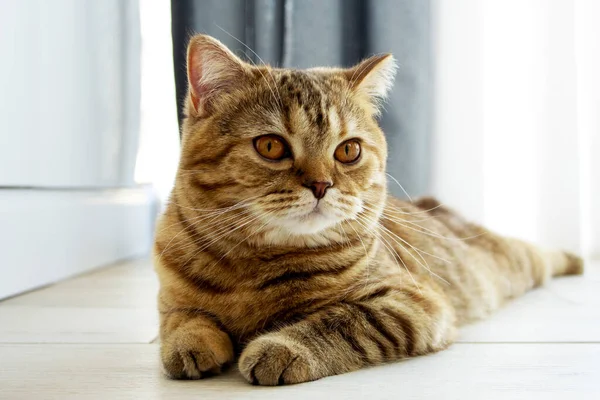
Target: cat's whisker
429	232
369	205
221	236
207	215
179	233
395	237
393	252
224	231
212	220
221	229
396	210
408	243
366	253
247	237
413	220
395	256
433	234
399	221
239	203
423	230
234	220
346	237
401	187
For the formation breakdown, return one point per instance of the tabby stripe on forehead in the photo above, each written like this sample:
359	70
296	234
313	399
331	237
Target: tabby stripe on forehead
407	328
287	123
319	105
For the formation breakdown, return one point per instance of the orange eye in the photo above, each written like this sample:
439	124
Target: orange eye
271	147
348	152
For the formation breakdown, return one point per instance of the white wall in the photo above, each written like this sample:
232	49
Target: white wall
69	107
49	235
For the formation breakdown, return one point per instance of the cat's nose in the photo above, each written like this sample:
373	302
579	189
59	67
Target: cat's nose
319	188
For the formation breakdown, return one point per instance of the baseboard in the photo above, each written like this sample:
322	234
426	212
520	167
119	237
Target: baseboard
49	235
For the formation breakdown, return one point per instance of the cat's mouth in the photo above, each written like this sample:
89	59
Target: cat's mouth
313	219
311	216
317	210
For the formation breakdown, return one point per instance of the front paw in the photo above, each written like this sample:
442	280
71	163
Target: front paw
195	354
276	361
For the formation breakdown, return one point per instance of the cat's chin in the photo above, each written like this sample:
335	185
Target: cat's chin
311	224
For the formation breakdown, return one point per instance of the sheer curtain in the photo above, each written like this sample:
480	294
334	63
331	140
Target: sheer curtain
517	124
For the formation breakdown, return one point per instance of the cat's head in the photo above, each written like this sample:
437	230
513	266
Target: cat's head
301	150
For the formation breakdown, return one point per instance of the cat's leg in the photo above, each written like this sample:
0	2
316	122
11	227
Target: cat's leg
381	324
192	345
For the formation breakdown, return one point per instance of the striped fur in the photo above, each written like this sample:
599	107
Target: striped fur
249	271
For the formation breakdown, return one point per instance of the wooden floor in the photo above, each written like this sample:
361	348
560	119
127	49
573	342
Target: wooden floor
92	338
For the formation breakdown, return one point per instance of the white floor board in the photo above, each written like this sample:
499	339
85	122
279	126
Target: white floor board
465	371
566	310
127	285
21	324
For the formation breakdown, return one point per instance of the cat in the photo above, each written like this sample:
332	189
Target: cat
281	248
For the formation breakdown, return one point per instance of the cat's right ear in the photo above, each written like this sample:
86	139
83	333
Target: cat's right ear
373	78
213	72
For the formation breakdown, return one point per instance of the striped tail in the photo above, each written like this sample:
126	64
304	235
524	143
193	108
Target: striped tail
565	263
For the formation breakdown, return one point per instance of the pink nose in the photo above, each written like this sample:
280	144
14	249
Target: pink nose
319	188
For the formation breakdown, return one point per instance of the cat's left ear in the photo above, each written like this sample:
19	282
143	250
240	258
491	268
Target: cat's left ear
373	77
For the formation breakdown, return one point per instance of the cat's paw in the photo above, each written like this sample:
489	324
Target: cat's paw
276	361
196	354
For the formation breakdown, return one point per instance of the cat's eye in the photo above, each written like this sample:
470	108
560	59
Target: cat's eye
348	152
271	147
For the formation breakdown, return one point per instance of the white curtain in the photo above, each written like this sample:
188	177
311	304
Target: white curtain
158	153
69	102
517	117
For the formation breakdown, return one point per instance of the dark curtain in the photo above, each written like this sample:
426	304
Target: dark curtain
307	33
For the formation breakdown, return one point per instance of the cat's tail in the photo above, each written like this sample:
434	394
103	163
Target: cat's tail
565	263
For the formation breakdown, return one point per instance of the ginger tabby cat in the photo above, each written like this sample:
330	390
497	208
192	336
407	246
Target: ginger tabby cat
281	246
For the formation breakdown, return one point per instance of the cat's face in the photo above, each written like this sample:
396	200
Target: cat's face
301	151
